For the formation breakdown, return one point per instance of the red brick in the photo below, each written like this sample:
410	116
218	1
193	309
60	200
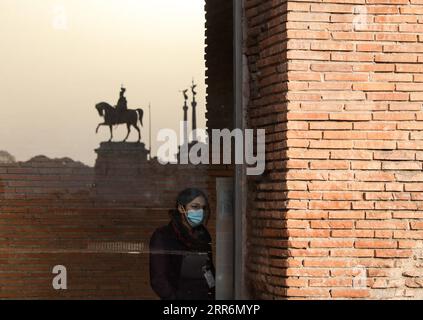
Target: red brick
308	55
352	253
374	86
342	196
333	205
307	34
375	145
381	224
395	19
369	47
394	116
352	154
402	165
350	116
354	36
409	68
331	125
375	244
337	8
393	57
307	292
307	116
395	37
307	154
350	293
366	165
333	224
331	144
335	282
329	164
353	233
354	56
394	155
337	76
332	46
395	96
348	214
331	243
390	253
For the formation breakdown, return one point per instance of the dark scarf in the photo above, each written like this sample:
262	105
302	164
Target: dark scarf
197	238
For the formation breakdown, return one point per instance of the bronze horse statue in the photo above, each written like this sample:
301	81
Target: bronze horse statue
113	117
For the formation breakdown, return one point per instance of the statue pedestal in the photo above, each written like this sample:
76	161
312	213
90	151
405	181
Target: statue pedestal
115	156
120	167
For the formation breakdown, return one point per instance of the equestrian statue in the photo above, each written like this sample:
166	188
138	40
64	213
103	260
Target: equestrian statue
120	115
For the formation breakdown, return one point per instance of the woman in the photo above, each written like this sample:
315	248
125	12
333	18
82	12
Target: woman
181	264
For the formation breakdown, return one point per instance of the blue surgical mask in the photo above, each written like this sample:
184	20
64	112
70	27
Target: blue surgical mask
195	217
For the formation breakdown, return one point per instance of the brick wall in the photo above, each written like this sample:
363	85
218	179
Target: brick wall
61	212
338	86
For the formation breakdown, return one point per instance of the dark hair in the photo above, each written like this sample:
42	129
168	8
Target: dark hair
187	195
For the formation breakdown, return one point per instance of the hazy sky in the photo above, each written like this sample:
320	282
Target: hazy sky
58	58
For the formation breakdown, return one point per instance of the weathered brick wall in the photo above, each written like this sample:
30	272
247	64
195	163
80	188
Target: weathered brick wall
264	48
59	212
338	85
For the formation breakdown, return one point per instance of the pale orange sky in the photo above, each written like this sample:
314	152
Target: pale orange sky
60	57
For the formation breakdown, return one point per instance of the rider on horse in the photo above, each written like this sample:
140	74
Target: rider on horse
122	104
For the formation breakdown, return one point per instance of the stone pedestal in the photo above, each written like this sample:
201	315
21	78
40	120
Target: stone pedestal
120	168
125	158
124	176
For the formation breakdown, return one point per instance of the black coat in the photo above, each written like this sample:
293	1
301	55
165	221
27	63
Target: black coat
175	270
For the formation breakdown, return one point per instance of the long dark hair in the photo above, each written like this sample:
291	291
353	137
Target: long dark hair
189	194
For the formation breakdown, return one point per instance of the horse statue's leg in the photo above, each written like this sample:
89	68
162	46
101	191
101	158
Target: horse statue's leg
129	131
133	121
111	133
139	132
98	127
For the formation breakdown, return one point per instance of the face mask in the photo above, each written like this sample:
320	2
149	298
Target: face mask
195	217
